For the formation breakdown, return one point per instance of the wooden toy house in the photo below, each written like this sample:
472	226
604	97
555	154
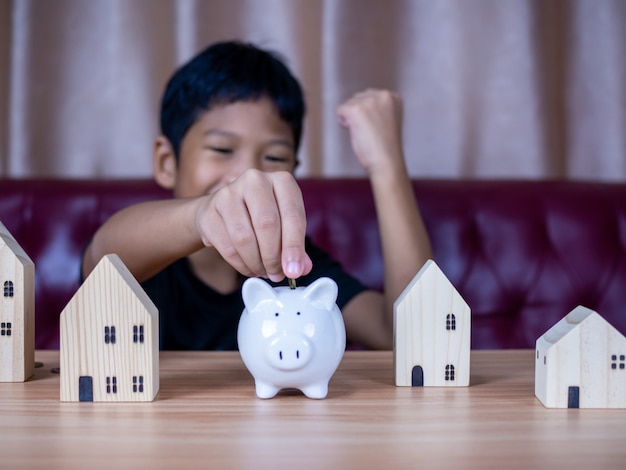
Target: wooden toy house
17	310
432	325
110	339
581	363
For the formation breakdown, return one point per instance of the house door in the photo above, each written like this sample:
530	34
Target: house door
85	388
573	397
417	377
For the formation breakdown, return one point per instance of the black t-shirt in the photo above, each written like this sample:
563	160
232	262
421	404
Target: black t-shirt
193	316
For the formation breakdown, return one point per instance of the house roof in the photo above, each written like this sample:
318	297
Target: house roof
112	263
429	269
572	321
16	249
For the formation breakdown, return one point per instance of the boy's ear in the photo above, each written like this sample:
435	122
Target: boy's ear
164	163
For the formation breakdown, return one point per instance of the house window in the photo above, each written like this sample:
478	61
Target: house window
5	329
8	288
450	322
138	336
111	384
137	383
618	362
450	372
109	334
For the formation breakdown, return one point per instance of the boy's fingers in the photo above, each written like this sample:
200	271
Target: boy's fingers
295	261
228	228
259	225
222	242
265	219
244	237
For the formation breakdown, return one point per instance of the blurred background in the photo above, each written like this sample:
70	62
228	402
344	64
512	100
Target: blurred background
529	89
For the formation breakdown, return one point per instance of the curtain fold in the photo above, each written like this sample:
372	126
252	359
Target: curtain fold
491	88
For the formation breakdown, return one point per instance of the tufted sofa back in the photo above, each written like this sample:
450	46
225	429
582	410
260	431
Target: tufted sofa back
521	253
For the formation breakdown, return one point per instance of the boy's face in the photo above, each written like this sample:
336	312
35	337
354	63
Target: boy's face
227	140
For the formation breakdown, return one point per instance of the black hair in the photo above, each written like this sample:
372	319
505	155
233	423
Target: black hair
225	73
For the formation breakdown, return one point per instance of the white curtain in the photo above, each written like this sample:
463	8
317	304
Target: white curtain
492	88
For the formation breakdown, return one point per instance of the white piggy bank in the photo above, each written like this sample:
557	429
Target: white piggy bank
291	338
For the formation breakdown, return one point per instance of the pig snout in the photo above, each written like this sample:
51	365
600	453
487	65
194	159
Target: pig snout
289	352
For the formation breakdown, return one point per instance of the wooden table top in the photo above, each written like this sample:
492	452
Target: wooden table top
206	415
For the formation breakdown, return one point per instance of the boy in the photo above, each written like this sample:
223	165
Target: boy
231	122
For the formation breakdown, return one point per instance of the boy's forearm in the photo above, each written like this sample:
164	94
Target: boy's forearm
147	237
405	242
374	118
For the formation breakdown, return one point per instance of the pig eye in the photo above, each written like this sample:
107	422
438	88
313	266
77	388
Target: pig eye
276	314
298	313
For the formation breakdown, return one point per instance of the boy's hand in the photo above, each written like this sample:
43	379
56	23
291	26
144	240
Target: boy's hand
258	224
374	118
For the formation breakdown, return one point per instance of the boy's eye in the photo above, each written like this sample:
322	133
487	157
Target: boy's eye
276	159
221	150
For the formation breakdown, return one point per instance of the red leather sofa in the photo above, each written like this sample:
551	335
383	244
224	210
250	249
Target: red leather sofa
521	253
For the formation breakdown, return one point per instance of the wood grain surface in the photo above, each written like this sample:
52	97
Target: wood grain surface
206	415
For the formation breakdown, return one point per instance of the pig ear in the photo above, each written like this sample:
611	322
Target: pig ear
323	290
255	291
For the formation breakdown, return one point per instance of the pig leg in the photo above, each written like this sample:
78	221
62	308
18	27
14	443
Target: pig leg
317	390
265	390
